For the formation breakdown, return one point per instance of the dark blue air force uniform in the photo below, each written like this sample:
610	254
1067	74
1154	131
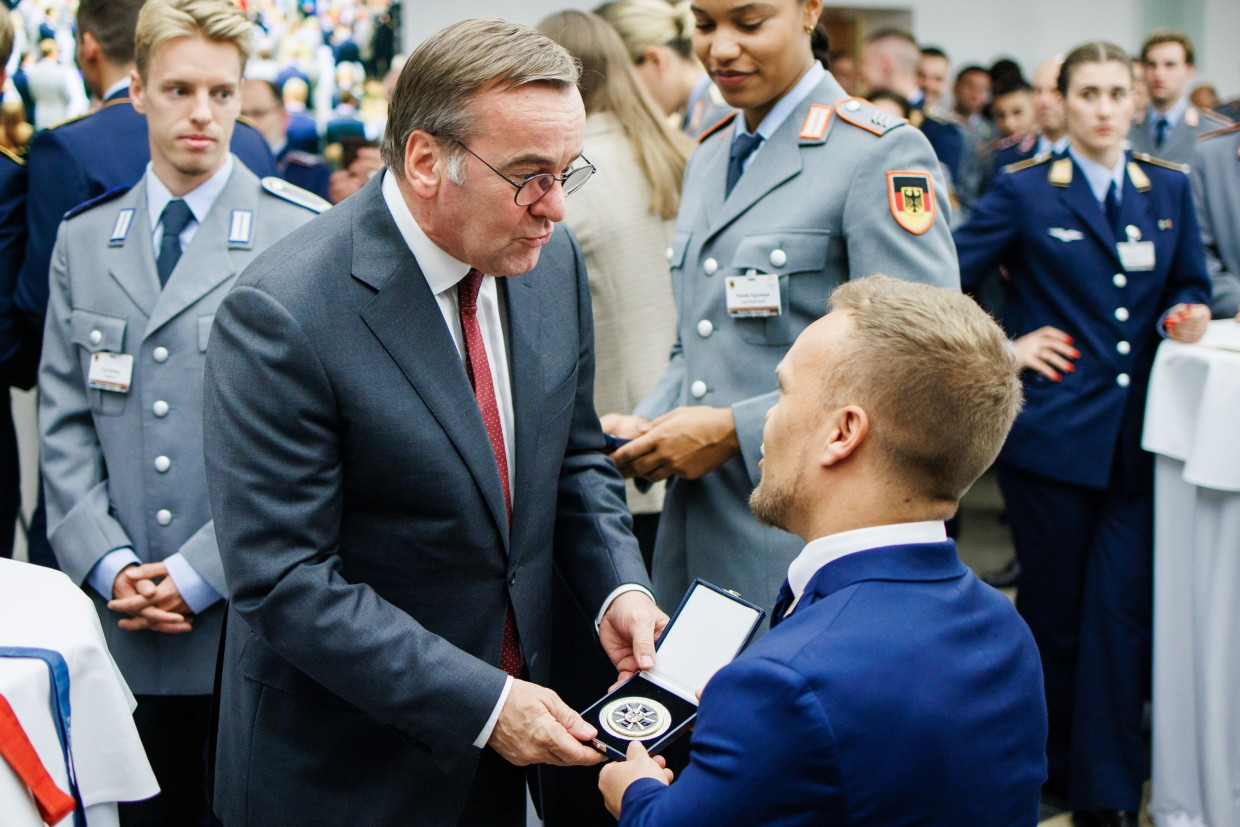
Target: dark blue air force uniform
18	357
1077	485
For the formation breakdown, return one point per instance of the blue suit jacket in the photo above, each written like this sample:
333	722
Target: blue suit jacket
1065	272
900	691
80	159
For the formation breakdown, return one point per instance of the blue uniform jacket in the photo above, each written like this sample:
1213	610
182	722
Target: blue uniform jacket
83	158
900	691
18	358
1065	271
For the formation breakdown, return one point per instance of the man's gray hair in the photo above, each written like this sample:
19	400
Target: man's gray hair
436	88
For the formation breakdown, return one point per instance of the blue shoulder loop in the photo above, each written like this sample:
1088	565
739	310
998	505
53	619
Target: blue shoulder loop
115	192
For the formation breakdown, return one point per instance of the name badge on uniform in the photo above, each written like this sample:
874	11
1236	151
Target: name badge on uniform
110	372
1134	253
753	295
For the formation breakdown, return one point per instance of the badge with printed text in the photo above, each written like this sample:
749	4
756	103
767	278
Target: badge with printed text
110	371
911	196
753	295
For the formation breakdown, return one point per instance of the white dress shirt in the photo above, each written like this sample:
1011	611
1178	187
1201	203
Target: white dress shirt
825	550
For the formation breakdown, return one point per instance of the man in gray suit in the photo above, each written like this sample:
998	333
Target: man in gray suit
401	449
1216	194
1168	126
135	280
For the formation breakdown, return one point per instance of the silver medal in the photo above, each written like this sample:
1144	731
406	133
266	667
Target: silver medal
635	719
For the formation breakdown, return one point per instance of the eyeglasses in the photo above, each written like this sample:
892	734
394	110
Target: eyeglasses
535	187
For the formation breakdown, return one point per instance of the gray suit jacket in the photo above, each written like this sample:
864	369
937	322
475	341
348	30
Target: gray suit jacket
816	211
1180	143
362	525
1216	193
100	447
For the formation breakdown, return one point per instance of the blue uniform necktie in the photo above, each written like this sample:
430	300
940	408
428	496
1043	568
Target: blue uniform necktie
782	604
1112	211
176	216
742	148
1160	132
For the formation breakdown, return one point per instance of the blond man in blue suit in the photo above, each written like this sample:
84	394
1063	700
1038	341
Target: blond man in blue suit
894	687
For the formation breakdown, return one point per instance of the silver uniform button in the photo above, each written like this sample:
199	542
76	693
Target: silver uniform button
710	266
698	389
160	354
162	464
96	337
852	106
1122	380
705	328
1121	313
1123	348
163	516
669	254
160	408
1120	280
778	258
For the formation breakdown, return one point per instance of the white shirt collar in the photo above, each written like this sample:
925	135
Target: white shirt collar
1047	145
199	200
784	106
441	269
1099	177
119	86
1172	115
825	550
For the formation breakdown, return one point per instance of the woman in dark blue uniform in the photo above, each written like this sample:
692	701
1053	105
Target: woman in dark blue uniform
1105	259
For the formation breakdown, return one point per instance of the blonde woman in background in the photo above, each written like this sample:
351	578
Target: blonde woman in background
659	39
625	226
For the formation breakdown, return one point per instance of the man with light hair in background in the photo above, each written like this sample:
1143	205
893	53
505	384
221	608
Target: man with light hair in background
136	277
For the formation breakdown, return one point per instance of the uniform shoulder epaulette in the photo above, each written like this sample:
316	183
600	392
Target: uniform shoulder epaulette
1222	130
1028	162
12	156
304	159
115	192
294	194
724	121
84	115
861	113
1211	115
1159	162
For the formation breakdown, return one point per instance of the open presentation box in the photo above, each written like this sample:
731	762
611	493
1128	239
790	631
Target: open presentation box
710	628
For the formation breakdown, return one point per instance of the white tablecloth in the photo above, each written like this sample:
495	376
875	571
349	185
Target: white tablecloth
42	608
1193	426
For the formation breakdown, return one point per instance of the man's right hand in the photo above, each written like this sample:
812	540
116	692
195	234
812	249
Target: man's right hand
624	426
536	727
150	605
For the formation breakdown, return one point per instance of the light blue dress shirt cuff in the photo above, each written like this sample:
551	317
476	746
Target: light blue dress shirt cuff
196	592
103	575
621	589
489	726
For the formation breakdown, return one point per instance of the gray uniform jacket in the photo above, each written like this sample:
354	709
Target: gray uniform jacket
815	207
1216	192
126	469
1180	143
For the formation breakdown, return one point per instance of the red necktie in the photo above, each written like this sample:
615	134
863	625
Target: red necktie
479	370
54	803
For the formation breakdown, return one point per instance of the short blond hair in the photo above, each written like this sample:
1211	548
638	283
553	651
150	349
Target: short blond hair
6	35
645	23
936	375
216	20
441	78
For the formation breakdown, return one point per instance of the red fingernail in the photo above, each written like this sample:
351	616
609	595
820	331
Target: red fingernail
1055	378
1070	368
1076	354
1067	339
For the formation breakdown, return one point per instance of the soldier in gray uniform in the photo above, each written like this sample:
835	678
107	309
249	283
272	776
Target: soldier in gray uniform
1216	193
136	277
1168	126
829	188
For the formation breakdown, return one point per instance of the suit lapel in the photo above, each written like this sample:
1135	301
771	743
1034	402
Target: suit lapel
1079	198
131	264
524	334
208	260
1180	140
405	317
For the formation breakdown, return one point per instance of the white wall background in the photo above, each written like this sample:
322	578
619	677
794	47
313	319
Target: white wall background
971	31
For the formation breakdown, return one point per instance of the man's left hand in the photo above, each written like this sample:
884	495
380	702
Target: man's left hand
1187	322
159	609
689	442
618	775
629	629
